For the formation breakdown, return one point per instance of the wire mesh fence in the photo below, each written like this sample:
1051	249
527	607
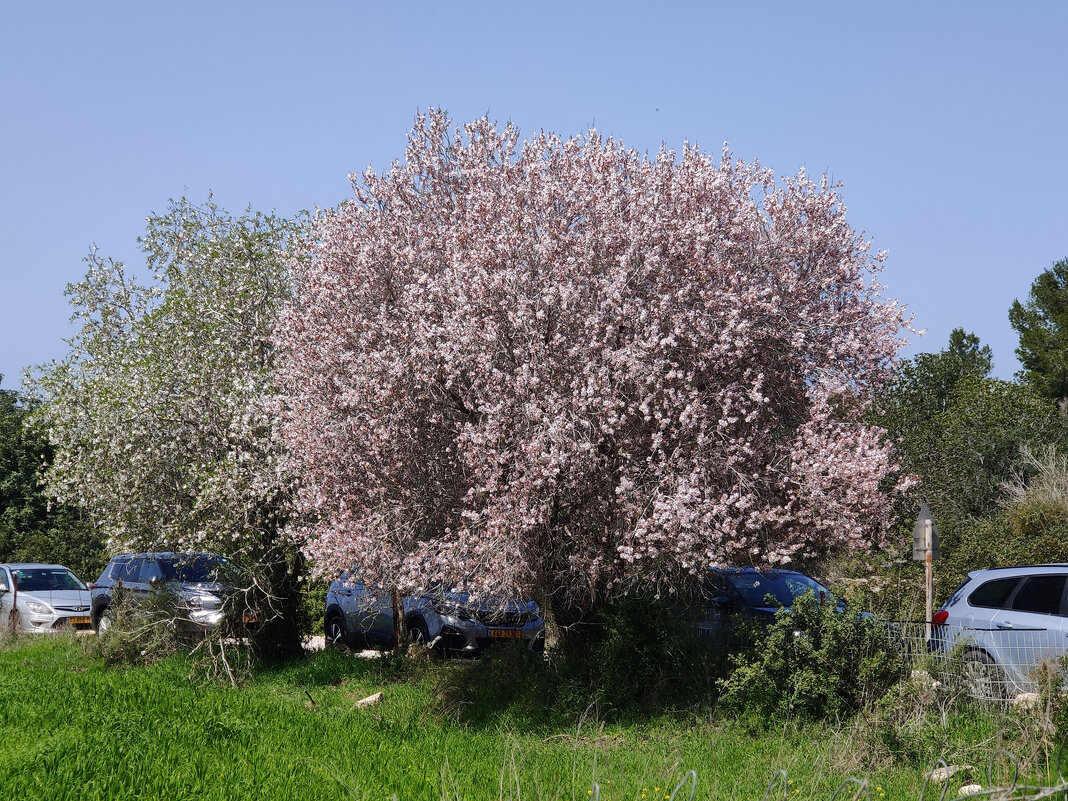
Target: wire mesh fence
989	664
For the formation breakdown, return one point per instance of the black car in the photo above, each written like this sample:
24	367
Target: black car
199	585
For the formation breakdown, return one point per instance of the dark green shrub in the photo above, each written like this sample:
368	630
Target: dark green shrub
638	658
646	653
506	684
141	632
151	628
813	663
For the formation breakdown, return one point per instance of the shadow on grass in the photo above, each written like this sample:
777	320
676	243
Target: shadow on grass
508	686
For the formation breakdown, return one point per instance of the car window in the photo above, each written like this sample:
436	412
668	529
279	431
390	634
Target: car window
784	588
716	584
349	582
1041	594
203	569
129	571
993	594
149	570
3	580
42	579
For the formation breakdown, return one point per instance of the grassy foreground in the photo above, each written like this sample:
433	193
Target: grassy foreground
73	728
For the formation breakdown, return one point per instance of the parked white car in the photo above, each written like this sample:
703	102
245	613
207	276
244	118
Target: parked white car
43	598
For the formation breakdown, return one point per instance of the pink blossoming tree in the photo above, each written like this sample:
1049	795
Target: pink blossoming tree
562	367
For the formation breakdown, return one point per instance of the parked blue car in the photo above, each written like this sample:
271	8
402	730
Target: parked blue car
746	595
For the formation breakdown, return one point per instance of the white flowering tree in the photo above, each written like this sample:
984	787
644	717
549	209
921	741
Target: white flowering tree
559	366
160	412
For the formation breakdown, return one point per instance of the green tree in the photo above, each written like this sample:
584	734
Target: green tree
161	413
31	528
913	407
1030	527
984	430
1042	323
961	433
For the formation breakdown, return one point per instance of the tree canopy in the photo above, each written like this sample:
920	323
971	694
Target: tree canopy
32	529
160	414
564	366
1042	323
915	407
964	435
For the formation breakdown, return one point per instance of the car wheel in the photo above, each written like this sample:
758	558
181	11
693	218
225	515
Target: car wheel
982	677
418	633
334	631
104	622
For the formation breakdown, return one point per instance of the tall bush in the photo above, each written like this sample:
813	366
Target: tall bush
814	662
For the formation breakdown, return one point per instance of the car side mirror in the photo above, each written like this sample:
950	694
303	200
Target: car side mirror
154	581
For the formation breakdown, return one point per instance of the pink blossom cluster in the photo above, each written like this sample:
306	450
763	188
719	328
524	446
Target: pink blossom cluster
562	365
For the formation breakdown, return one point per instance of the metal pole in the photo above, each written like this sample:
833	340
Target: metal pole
928	575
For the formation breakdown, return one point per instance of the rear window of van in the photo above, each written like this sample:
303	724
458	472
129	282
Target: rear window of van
993	594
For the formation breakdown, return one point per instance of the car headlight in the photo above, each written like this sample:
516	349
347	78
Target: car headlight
203	602
450	609
38	608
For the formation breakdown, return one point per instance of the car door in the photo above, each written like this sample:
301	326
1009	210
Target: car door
128	577
716	602
379	605
359	605
350	594
1031	626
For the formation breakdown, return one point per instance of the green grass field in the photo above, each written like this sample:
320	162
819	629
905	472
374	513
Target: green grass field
73	728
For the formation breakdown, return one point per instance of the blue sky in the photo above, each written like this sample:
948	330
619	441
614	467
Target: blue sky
946	122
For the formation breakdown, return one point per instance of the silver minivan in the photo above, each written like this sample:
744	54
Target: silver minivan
44	598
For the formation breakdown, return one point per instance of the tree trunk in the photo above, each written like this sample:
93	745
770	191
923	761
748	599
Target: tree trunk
400	630
279	636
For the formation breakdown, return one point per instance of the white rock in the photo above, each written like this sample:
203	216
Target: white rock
1025	701
369	700
970	789
941	775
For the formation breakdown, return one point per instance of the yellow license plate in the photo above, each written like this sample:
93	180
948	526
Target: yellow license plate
77	621
507	634
252	617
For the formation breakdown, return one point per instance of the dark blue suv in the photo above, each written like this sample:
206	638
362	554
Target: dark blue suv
742	593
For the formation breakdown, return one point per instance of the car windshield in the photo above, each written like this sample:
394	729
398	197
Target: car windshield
201	570
783	587
41	579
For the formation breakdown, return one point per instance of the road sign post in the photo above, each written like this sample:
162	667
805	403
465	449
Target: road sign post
925	538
